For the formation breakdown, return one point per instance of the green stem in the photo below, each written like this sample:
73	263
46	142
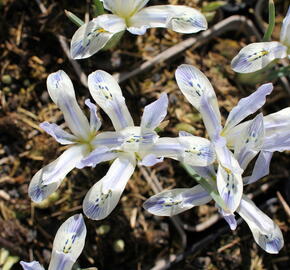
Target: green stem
270	29
98	8
282	71
207	184
74	18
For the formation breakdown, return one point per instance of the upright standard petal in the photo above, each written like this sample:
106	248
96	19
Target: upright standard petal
103	197
194	84
261	168
49	178
266	233
180	19
95	122
285	31
212	121
70	237
257	56
62	93
61	260
31	266
155	112
108	95
91	37
251	141
175	201
247	106
58	133
124	8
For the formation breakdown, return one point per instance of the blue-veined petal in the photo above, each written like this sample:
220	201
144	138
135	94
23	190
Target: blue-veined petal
31	265
247	106
103	197
230	184
285	31
155	112
108	95
95	122
194	84
70	238
175	201
124	8
251	141
266	233
257	56
261	168
167	147
198	151
58	133
91	37
48	179
97	156
150	160
62	93
229	218
212	121
138	139
60	260
110	139
180	19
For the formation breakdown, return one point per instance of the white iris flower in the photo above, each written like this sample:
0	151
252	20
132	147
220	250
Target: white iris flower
132	16
67	246
258	55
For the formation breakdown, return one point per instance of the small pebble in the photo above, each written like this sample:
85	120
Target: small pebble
6	79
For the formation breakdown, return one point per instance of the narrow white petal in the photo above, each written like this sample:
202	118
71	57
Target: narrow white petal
194	84
124	8
285	31
58	133
150	160
97	156
62	93
175	201
180	19
278	122
70	237
277	142
212	121
229	218
91	37
266	233
49	178
247	106
31	266
155	112
108	95
257	56
58	169
261	168
103	197
110	139
207	172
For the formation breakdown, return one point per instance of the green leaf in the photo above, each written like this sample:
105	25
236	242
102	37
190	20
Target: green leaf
74	18
270	29
213	6
207	184
281	72
98	8
114	41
